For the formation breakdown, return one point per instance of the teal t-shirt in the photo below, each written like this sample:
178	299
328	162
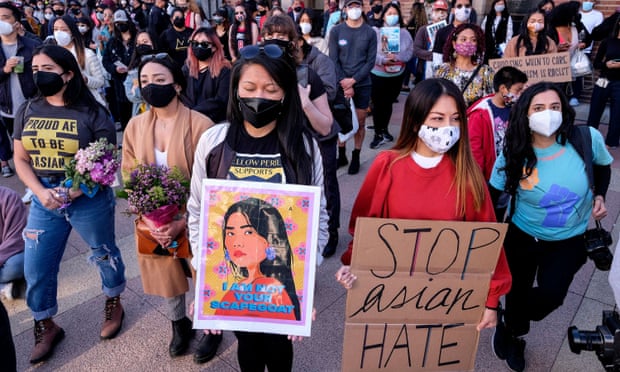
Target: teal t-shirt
555	201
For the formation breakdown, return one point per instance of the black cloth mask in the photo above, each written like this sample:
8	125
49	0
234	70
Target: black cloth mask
49	83
144	49
123	27
202	53
377	9
260	111
158	95
178	22
283	44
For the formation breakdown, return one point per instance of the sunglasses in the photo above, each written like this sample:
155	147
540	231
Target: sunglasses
150	57
270	50
459	6
201	44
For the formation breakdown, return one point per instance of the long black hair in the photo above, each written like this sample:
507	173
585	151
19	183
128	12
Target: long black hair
269	224
524	38
290	125
247	21
76	37
493	40
77	94
518	149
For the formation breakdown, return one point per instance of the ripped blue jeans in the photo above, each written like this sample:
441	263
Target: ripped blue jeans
46	237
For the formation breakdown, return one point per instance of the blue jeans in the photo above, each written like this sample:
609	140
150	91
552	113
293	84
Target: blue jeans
46	236
13	268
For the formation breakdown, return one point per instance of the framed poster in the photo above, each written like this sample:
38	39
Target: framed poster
257	257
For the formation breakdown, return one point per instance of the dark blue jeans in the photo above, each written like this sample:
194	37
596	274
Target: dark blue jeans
46	237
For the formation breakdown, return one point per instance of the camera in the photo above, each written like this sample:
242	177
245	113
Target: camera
605	341
597	243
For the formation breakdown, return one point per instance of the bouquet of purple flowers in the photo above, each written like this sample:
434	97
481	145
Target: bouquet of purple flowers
155	193
94	166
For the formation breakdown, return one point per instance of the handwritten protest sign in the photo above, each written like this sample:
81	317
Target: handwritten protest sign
257	257
420	293
553	67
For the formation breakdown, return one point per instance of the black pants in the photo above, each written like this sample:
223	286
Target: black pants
6	150
552	264
384	92
7	348
255	351
329	153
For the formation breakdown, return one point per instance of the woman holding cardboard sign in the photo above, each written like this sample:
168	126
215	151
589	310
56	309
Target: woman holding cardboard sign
432	149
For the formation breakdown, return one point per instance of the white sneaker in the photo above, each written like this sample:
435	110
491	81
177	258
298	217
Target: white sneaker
27	198
573	102
6	291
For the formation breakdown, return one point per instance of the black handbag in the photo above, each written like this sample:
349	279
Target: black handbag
341	110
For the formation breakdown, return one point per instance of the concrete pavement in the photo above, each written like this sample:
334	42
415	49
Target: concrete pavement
142	344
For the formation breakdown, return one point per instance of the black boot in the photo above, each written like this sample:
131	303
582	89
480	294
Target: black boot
182	334
354	167
207	347
332	244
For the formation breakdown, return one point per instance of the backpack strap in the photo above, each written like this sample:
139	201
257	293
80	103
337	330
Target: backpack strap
581	139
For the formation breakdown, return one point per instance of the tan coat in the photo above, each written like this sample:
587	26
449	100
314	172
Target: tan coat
163	276
511	48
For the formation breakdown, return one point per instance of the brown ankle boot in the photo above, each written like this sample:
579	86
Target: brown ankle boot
46	335
114	315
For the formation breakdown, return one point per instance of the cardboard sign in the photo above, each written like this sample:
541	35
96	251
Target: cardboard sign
420	293
553	67
257	257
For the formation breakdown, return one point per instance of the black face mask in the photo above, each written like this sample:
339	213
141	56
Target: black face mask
282	44
75	11
123	27
158	95
49	83
377	9
144	49
178	22
260	111
202	53
262	12
297	9
59	12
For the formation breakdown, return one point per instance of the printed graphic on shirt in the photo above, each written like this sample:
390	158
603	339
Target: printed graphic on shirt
51	143
257	167
559	202
181	44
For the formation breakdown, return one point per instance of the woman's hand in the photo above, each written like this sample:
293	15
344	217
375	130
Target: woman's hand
166	234
50	198
612	64
489	320
345	277
205	331
349	93
599	211
299	338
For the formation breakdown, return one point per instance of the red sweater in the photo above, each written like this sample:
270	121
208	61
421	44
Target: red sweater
481	138
402	189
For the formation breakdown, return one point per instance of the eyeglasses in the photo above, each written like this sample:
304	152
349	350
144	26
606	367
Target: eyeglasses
149	57
270	50
201	44
459	6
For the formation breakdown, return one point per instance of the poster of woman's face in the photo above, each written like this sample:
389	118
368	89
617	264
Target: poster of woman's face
257	257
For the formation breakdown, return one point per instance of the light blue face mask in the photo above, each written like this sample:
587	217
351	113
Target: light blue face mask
587	6
391	20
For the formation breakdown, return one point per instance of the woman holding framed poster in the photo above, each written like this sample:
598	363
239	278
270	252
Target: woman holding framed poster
266	140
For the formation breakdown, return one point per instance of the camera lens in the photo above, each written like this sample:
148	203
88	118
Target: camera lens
584	340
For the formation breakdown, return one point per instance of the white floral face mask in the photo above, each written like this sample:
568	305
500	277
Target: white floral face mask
441	139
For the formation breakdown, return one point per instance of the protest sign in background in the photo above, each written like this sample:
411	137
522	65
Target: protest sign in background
553	67
225	298
420	293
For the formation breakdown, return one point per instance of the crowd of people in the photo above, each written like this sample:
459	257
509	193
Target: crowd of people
206	93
